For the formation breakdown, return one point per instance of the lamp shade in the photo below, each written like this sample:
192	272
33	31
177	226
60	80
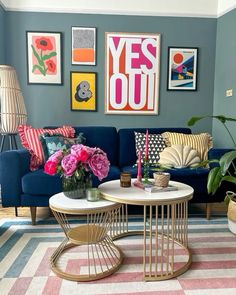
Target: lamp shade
13	112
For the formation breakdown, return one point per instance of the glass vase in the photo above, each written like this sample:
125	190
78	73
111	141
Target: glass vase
74	188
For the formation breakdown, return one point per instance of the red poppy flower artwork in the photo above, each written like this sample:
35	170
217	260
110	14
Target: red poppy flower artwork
44	43
44	55
51	66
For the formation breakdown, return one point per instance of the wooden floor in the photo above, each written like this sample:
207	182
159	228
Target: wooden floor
43	212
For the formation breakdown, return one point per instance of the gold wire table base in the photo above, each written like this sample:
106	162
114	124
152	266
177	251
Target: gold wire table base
87	253
165	240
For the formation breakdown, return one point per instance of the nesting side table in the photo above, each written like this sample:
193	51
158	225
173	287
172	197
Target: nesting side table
165	226
102	256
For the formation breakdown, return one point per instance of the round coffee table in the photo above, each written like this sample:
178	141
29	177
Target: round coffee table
102	257
165	233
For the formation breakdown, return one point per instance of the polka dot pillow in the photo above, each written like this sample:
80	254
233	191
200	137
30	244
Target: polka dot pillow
155	146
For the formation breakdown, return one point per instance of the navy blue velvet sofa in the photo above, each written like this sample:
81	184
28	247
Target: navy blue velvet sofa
22	187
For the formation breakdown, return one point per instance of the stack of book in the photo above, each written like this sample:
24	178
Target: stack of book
152	188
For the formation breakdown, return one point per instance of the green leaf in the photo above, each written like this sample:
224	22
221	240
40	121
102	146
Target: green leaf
40	62
214	180
193	120
48	56
39	68
229	178
225	119
226	160
221	118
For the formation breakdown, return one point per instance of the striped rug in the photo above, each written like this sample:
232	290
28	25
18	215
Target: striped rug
25	251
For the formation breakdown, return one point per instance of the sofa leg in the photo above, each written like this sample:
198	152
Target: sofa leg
16	211
208	211
33	214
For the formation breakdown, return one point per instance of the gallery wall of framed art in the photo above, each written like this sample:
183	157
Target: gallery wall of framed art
132	69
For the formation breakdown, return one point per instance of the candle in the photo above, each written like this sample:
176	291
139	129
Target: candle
139	175
125	179
146	146
92	194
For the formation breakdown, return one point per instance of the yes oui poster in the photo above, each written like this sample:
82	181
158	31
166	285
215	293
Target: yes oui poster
132	73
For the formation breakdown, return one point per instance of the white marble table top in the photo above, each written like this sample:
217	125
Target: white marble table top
61	203
112	191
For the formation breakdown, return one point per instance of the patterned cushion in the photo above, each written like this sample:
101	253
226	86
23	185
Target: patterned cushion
29	137
155	146
55	142
201	142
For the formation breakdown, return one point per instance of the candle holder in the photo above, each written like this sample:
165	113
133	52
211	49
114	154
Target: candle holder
125	179
92	194
146	170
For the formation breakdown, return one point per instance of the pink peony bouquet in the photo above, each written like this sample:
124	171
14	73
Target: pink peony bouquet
78	162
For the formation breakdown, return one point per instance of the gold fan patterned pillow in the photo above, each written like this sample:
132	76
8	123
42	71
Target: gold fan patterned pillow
201	142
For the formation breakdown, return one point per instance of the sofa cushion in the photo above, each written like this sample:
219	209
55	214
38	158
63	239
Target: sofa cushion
114	173
127	152
156	144
104	137
40	183
197	178
201	142
29	137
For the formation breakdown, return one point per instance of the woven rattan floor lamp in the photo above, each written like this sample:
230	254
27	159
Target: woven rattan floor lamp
12	106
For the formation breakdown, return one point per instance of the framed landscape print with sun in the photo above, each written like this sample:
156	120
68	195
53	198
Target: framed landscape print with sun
182	68
83	91
44	57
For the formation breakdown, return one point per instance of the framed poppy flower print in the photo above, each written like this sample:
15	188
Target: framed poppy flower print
44	58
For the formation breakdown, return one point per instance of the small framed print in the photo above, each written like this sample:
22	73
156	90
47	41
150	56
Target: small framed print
44	57
83	46
83	91
182	68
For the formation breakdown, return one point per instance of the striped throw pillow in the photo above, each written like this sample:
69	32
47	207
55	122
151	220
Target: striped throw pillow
29	137
200	142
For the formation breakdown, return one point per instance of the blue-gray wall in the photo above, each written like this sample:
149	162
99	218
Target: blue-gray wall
2	35
49	105
225	76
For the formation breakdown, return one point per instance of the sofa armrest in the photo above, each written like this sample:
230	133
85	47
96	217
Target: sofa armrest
13	165
216	154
